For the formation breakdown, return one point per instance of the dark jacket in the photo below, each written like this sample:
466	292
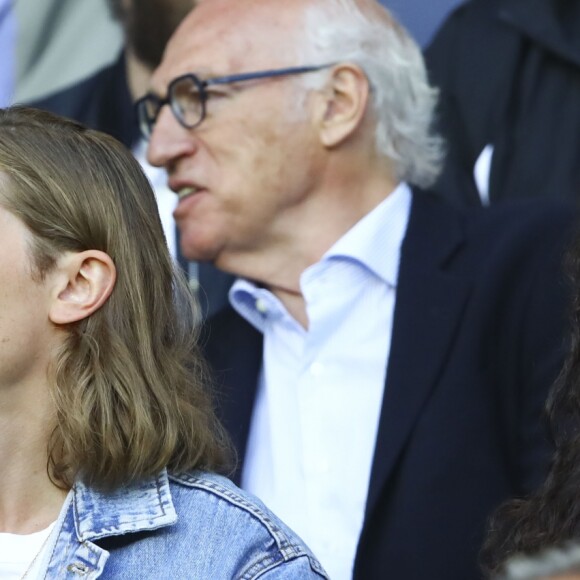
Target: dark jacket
477	340
509	74
101	101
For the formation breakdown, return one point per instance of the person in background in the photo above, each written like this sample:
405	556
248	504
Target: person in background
509	75
562	563
551	515
104	101
385	359
60	42
110	445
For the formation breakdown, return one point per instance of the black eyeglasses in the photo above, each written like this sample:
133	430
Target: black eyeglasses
187	95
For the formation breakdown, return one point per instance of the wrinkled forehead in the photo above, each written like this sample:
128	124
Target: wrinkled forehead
227	37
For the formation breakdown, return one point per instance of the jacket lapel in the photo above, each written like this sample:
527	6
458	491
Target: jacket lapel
428	309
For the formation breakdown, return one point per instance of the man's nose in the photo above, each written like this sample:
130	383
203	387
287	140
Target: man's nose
169	140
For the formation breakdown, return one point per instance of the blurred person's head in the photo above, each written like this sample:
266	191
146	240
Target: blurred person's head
116	320
557	563
275	158
148	24
550	516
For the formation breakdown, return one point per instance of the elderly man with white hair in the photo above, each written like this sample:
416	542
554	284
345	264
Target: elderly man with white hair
385	358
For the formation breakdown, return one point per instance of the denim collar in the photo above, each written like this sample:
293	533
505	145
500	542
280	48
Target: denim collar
146	505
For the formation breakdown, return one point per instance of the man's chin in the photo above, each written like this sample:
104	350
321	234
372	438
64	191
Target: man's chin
198	252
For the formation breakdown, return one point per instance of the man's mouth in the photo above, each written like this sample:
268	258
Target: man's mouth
186	191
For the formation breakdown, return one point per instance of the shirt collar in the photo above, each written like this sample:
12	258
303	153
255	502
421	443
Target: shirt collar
254	303
374	241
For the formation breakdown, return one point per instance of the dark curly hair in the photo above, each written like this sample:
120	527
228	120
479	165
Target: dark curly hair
551	516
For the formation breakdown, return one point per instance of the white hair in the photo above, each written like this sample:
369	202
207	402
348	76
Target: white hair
402	99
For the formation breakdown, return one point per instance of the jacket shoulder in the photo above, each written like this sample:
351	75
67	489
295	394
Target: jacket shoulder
513	236
253	540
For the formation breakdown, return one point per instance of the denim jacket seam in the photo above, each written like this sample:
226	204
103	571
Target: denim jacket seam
286	547
269	563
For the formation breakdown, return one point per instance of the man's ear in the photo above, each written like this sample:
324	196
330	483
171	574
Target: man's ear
82	283
343	104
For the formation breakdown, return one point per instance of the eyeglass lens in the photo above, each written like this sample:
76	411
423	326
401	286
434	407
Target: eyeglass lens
187	100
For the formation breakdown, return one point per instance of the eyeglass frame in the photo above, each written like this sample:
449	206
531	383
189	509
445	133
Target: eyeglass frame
146	123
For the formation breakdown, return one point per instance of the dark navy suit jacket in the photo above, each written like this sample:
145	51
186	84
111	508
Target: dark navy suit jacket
477	340
509	74
103	102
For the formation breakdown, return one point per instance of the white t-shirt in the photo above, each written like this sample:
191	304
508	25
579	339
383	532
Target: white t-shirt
23	554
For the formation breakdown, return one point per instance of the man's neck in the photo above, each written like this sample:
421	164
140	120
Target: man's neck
294	303
279	266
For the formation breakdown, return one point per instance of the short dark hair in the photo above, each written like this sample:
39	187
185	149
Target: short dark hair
149	24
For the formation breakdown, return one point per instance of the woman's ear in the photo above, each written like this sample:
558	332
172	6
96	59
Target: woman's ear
82	283
342	104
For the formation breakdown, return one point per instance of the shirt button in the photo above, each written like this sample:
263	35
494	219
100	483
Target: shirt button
316	369
261	306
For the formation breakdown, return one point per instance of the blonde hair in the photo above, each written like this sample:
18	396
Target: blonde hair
129	384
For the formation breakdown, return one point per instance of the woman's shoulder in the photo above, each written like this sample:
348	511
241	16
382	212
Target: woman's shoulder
238	528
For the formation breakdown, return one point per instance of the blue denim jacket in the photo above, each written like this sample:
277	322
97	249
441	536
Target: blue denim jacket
190	526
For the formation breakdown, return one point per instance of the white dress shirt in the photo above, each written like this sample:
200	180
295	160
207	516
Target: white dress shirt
482	173
316	415
166	199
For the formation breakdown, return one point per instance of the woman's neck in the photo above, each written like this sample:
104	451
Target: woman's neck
29	500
